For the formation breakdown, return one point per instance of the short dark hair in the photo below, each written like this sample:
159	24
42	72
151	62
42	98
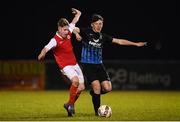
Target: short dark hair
63	22
96	17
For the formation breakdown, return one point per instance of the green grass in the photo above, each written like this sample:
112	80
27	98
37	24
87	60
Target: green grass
126	105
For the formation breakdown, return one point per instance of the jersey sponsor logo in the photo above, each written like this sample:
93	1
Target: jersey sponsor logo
96	40
95	44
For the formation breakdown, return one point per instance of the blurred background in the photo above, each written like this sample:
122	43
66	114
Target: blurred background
27	26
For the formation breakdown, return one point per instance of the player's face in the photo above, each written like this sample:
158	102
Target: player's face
63	31
97	26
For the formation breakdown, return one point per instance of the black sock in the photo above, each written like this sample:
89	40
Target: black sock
96	102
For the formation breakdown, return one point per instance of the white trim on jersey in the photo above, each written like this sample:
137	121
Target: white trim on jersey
73	70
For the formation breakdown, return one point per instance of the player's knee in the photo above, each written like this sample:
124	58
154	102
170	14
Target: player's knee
81	87
96	89
75	81
107	89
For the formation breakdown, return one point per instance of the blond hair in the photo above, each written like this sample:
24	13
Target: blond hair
62	22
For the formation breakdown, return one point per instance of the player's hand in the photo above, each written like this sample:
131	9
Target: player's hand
78	37
139	44
41	57
75	11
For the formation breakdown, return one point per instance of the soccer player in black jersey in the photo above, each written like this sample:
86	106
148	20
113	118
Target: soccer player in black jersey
91	57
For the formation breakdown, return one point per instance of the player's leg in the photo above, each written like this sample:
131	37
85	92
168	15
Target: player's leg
105	80
101	75
72	75
69	106
106	87
90	71
81	85
95	93
73	90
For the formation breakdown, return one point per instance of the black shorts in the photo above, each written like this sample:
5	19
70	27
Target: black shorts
94	72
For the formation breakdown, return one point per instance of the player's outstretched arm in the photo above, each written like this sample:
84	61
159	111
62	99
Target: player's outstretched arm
128	43
41	56
48	47
77	15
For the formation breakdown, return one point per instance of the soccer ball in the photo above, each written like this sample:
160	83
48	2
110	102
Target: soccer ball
104	111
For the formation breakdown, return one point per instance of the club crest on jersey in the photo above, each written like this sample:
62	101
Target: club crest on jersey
68	36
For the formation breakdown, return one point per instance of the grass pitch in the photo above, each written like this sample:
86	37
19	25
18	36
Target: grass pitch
126	106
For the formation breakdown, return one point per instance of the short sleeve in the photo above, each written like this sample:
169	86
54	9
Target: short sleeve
51	44
71	27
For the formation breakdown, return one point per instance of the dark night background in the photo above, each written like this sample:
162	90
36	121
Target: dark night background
26	26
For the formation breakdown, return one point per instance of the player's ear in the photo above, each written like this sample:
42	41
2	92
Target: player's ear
91	25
